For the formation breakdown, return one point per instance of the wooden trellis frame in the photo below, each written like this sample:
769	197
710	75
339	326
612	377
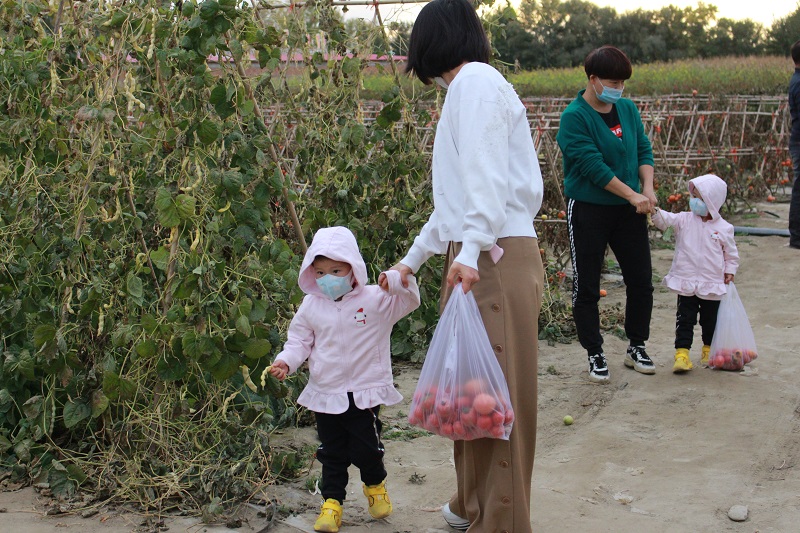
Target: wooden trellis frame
689	134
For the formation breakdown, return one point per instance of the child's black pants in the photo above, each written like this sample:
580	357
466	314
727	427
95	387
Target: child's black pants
688	309
352	437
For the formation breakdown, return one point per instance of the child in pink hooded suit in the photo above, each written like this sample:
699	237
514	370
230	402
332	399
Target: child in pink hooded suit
706	259
343	328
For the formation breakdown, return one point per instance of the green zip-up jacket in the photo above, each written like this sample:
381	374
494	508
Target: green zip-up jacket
593	155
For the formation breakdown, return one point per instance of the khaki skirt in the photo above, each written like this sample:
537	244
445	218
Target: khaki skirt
494	476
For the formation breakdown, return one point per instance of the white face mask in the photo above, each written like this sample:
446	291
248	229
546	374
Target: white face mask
440	82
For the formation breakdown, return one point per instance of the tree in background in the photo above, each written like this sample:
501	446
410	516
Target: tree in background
558	33
783	34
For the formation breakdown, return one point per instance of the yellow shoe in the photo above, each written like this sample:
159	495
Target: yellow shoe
704	355
379	504
330	519
682	362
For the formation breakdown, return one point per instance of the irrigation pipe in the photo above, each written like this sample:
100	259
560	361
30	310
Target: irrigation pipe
761	231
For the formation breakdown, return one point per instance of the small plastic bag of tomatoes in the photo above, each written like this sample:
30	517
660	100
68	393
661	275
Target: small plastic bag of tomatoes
462	393
733	345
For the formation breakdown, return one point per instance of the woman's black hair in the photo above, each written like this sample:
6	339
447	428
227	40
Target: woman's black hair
608	63
446	34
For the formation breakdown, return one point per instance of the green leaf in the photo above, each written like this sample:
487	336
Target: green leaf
146	349
208	9
160	258
243	325
236	50
76	474
218	95
185	205
43	334
213	510
257	348
171	368
117	388
100	403
149	323
195	346
259	311
247	108
207	132
22	364
244	307
60	483
223	104
5	444
33	407
135	288
22	449
75	412
351	66
226	367
166	209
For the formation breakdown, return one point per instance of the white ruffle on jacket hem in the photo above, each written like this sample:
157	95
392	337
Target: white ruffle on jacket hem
707	290
337	402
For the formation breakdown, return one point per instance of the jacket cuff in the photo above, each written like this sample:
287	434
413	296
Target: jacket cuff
469	254
414	259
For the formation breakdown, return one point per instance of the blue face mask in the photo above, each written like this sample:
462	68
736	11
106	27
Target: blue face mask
609	95
698	207
334	287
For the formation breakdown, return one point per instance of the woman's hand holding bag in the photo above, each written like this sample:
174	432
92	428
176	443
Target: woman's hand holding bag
462	393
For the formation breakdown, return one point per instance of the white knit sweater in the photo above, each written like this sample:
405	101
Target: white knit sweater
486	178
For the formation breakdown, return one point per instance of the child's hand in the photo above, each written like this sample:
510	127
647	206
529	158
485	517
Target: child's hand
404	271
728	278
279	369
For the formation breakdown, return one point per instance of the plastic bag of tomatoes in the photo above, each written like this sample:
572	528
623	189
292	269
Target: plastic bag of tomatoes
462	393
733	345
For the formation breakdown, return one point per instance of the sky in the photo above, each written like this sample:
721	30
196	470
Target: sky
764	11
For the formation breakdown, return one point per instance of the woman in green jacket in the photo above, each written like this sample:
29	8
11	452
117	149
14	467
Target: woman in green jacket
608	181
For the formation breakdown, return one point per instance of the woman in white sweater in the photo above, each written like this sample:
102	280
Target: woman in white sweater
487	189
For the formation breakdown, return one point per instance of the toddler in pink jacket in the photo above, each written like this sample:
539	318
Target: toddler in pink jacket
705	261
343	328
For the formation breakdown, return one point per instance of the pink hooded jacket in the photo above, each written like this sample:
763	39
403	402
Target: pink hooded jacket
346	342
704	251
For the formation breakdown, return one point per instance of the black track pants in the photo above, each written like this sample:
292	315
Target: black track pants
592	227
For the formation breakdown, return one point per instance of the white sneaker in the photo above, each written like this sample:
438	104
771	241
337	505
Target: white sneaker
598	368
453	520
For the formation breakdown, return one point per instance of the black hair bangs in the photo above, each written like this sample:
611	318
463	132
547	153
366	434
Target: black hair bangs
608	63
446	34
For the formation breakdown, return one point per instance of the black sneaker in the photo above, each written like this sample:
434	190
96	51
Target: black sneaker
598	368
636	358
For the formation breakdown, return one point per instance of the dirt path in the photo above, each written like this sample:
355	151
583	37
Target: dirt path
662	453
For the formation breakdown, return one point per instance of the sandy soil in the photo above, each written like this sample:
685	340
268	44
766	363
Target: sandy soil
662	453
